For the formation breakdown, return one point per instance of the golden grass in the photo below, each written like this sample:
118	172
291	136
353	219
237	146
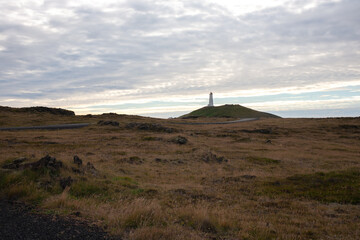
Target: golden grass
151	188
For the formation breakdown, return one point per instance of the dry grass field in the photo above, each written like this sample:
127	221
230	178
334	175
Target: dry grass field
265	179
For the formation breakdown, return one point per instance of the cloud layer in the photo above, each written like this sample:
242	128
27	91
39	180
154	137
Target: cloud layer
81	54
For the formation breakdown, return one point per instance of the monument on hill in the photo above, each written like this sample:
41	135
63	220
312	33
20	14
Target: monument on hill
211	101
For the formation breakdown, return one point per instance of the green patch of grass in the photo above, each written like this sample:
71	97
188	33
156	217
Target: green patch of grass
83	189
262	160
14	186
125	181
340	186
198	222
134	158
28	185
137	191
26	176
260	234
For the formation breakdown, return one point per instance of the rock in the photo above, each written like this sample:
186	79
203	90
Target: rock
263	131
179	140
150	127
47	162
268	141
77	170
210	157
66	182
108	123
159	160
132	160
19	160
10	166
77	160
248	176
78	214
91	169
15	164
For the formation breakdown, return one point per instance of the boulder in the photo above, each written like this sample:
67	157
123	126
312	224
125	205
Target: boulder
179	140
47	162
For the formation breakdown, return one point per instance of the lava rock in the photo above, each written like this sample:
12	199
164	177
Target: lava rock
150	127
47	162
210	157
15	164
77	170
66	182
179	140
77	160
160	160
108	123
248	176
91	169
263	131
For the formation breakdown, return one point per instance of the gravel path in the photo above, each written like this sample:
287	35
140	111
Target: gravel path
17	222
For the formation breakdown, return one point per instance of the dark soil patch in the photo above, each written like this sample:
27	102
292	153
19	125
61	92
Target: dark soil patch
17	222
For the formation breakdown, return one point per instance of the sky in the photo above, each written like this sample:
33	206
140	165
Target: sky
293	58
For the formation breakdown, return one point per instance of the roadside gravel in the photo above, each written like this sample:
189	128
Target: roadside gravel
17	222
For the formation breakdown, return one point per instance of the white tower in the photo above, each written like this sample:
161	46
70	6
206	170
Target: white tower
211	101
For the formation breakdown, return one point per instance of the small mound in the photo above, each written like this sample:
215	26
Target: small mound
228	111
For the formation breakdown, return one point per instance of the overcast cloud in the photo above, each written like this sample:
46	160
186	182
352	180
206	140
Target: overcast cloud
123	56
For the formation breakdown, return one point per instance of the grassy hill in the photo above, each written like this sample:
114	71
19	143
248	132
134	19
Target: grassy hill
230	111
54	111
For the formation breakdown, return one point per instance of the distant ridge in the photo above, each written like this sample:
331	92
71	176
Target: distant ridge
228	111
55	111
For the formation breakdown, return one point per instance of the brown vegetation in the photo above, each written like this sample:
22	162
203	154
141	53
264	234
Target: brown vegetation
298	180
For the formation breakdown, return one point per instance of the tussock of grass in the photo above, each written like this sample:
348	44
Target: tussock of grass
125	181
16	186
339	186
163	233
260	234
83	189
262	160
205	220
138	213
